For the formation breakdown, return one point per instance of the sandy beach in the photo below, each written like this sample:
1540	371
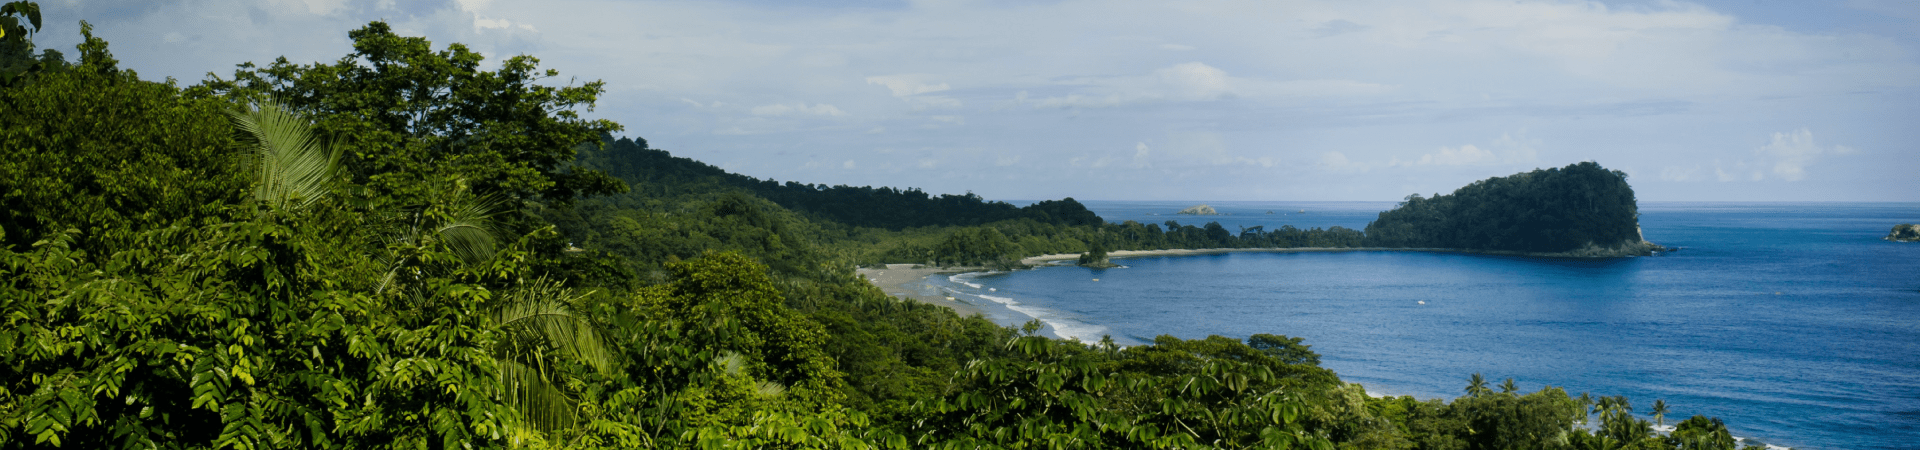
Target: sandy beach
903	280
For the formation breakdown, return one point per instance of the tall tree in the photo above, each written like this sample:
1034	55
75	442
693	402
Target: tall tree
414	113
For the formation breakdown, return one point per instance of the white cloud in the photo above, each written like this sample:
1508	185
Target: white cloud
1338	162
1786	157
1450	156
1140	155
906	85
1516	149
1790	153
1194	82
320	7
1185	82
781	109
1677	173
910	88
1511	150
479	23
1336	27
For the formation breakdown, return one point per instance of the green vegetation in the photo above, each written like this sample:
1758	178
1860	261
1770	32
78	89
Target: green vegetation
1544	211
1096	257
400	250
1905	232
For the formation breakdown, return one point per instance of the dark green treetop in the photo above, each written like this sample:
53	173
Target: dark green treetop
414	114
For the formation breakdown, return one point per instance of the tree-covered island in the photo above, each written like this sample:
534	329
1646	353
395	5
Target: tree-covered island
1581	210
400	249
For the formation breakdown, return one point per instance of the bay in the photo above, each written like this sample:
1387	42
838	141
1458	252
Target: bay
1794	322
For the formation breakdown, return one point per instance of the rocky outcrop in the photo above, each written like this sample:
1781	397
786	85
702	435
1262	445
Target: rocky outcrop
1905	232
1200	210
1642	248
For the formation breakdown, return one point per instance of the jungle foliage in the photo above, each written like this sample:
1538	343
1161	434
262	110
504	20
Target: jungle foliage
400	250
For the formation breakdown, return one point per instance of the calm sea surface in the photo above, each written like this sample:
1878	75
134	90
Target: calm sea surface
1794	322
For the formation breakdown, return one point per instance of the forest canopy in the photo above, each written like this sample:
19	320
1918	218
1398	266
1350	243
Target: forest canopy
401	249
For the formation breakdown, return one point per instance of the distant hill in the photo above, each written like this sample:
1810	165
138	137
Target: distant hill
1578	210
661	173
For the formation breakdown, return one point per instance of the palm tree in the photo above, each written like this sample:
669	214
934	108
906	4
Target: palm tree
1660	412
1477	385
1586	406
535	327
1508	387
457	220
292	169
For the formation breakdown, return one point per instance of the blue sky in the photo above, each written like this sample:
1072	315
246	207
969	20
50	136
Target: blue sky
1183	100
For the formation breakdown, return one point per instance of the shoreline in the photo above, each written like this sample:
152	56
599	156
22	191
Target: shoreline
1040	260
909	281
1642	249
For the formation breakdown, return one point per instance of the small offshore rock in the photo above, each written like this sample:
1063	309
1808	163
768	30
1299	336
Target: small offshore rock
1905	232
1200	210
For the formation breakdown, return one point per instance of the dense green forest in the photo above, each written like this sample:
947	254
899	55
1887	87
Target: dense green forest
958	230
400	249
663	174
1544	211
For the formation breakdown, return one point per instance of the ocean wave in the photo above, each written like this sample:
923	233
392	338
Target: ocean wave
1063	328
957	279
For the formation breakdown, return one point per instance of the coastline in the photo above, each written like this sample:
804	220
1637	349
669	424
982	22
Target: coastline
909	281
1042	259
1642	249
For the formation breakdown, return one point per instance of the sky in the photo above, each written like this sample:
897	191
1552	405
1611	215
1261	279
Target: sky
1203	100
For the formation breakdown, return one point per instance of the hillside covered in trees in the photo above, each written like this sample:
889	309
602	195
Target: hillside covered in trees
1579	210
661	173
301	256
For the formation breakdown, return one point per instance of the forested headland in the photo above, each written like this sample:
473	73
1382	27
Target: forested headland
1579	210
310	256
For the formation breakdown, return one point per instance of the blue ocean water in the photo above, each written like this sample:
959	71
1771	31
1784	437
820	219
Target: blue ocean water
1794	322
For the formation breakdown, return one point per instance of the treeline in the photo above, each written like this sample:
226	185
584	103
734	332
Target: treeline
660	173
301	256
1003	244
1543	211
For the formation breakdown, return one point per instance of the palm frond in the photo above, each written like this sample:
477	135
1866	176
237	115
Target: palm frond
769	389
537	316
730	363
465	229
292	168
541	403
471	242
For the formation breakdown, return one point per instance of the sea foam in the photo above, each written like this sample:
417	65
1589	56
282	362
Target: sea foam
1064	328
963	279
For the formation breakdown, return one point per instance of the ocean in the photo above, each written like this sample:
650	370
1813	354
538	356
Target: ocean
1794	322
